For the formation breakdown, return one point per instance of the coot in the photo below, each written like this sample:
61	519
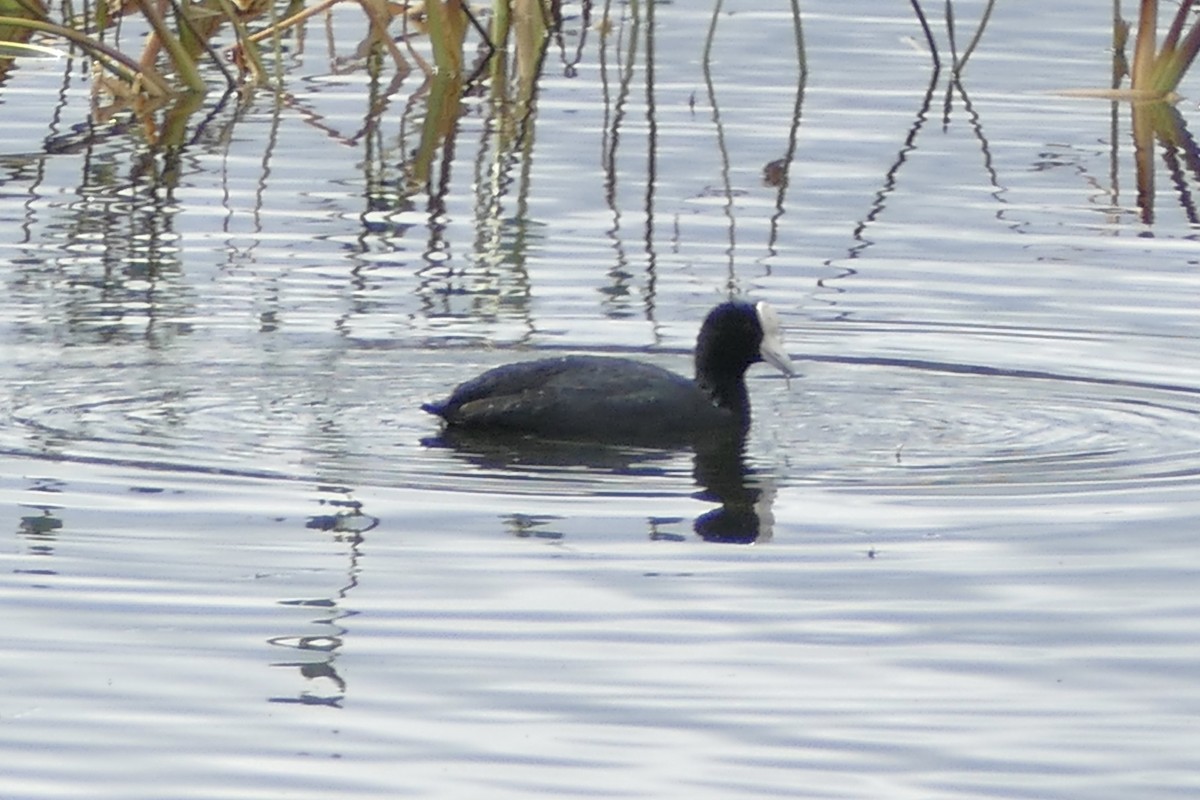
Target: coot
611	399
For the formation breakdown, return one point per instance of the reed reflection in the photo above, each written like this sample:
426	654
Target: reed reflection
315	654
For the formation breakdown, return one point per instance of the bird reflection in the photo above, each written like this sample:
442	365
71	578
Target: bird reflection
745	513
720	469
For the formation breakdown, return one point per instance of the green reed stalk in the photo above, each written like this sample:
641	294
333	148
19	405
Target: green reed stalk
1143	48
250	51
447	29
1174	58
1156	72
185	65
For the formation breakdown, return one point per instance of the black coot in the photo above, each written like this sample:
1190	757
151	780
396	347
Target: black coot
600	398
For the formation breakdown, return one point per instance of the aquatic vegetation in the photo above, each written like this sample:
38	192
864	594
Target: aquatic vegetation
1155	72
163	61
1154	75
185	33
186	51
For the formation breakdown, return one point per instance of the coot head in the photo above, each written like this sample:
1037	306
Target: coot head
734	336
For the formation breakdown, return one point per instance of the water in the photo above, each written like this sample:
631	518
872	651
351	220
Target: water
240	564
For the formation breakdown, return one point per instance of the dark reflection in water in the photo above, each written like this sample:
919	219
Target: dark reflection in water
40	528
315	654
745	497
719	467
722	476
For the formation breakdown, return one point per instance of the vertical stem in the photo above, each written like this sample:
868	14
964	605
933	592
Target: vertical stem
1120	66
1174	58
447	25
185	66
1143	51
651	152
1175	31
798	26
920	12
950	35
960	64
712	32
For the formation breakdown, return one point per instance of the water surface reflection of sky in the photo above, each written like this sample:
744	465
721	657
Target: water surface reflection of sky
242	563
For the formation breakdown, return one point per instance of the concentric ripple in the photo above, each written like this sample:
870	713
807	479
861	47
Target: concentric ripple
896	423
904	425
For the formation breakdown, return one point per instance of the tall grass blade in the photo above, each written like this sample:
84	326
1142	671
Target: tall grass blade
184	64
961	64
111	59
933	50
252	57
1176	30
1173	63
1143	50
447	27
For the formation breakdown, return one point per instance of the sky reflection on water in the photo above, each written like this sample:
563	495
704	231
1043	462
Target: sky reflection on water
239	565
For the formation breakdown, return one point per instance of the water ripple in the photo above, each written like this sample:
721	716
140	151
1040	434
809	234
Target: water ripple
906	423
892	424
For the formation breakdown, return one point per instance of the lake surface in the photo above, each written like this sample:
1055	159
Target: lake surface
958	558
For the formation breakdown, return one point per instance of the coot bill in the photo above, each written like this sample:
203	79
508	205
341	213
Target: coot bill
620	400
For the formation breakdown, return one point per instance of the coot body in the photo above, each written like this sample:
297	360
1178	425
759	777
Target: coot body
621	400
